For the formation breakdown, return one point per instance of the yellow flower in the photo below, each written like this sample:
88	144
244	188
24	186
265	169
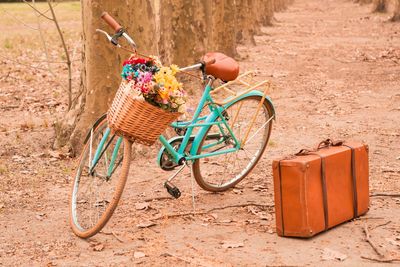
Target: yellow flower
175	69
163	93
165	71
159	77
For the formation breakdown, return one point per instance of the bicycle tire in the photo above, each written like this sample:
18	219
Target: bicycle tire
120	180
196	167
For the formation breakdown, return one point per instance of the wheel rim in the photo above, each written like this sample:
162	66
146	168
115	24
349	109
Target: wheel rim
92	194
220	172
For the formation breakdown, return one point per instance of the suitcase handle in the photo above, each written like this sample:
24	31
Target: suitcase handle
326	143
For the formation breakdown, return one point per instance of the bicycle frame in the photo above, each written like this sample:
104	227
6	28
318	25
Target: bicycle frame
215	117
203	123
206	98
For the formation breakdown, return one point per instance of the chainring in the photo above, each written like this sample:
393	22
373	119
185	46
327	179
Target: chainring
166	160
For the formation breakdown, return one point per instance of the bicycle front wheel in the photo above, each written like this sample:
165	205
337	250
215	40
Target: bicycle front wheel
221	172
99	181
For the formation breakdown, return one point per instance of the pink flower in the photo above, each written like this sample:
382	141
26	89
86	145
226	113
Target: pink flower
147	77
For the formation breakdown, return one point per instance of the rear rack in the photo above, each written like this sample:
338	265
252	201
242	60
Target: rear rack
240	80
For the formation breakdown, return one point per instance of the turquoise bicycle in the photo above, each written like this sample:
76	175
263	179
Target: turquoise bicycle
221	146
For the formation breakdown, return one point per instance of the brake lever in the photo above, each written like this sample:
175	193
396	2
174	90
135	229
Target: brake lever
114	38
109	38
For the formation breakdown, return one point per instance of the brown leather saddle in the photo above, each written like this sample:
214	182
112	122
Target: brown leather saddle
224	68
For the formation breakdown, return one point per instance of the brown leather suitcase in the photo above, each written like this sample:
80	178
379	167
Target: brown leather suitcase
319	189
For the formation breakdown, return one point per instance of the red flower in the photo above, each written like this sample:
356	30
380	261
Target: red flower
134	61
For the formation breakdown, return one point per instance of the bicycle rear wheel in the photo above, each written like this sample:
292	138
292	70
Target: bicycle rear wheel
98	184
219	173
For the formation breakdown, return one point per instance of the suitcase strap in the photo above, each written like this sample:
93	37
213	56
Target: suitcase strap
324	190
354	179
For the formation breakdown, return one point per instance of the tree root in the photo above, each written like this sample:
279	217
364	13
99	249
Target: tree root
387	260
384	195
114	235
157	198
194	213
380	225
372	244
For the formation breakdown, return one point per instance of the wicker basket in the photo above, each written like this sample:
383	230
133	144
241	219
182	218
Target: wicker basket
137	119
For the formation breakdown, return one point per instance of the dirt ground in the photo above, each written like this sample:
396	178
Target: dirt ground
335	69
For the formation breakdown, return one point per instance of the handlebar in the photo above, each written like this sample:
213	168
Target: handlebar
119	31
111	21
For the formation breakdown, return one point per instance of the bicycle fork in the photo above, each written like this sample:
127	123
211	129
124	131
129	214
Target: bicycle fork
100	152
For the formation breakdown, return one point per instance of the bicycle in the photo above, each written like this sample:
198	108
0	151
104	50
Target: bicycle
228	143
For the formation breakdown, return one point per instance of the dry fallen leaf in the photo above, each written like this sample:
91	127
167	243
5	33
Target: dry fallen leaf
18	159
142	205
138	255
57	154
228	244
40	216
237	191
214	215
98	247
259	188
329	254
145	224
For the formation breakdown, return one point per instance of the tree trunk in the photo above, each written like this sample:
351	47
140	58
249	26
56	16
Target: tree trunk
180	31
396	13
363	2
101	64
379	6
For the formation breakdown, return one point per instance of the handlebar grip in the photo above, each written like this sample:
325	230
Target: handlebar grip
111	21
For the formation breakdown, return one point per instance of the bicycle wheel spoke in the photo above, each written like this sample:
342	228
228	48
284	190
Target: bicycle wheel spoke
95	194
220	172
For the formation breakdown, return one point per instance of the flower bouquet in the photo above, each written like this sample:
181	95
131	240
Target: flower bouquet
148	100
155	83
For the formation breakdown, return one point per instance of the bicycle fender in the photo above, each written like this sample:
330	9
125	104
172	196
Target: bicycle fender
97	122
212	116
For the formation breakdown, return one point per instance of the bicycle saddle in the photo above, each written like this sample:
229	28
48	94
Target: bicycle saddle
224	68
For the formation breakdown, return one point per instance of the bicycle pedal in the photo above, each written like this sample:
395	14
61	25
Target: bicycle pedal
172	190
